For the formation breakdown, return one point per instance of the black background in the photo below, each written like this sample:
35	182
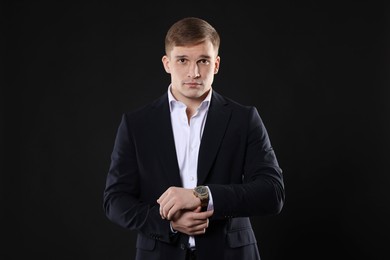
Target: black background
317	73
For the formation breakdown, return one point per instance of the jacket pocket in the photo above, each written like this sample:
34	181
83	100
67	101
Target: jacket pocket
241	237
145	243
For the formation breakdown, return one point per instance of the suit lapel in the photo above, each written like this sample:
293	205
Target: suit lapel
214	131
165	139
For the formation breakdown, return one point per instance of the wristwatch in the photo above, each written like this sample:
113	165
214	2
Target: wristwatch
202	192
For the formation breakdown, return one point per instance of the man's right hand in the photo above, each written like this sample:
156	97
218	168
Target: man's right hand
191	222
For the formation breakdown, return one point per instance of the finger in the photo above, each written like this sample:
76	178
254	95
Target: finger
161	198
165	204
172	211
161	209
165	194
203	215
198	231
165	208
198	224
161	213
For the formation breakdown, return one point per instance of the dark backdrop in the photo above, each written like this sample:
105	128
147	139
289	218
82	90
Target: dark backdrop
318	75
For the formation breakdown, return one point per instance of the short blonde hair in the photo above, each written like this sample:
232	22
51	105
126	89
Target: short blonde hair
191	31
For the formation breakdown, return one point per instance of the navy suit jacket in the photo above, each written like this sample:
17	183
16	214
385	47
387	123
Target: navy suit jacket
236	161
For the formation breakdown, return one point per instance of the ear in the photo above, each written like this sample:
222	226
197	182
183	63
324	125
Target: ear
165	61
216	64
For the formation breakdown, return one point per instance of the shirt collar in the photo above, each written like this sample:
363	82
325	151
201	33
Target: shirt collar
204	105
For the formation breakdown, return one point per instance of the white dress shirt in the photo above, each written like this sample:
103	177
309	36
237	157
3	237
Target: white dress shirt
188	135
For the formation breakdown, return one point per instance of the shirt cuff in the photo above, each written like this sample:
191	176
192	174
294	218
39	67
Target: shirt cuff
172	230
211	204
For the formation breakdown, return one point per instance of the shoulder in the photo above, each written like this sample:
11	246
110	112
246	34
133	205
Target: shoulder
242	113
231	103
144	110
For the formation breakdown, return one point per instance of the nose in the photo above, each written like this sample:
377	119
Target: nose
193	71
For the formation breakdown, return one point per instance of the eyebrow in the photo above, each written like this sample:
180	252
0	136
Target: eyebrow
200	57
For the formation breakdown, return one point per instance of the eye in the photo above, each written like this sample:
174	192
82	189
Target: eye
204	61
181	60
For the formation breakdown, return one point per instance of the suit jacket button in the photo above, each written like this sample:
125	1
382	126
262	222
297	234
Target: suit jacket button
183	246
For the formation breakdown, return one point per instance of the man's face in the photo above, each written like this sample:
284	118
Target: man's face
192	70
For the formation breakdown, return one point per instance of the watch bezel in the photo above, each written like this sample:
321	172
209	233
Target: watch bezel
202	193
201	190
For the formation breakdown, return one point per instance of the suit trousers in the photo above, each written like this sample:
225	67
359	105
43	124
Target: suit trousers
191	254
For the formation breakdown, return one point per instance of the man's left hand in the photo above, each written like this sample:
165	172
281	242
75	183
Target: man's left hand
175	199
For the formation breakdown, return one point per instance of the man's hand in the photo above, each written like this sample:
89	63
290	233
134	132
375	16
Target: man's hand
191	222
175	199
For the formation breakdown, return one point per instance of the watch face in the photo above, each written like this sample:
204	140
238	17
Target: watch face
201	189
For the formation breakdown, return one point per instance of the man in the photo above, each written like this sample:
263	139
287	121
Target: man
189	169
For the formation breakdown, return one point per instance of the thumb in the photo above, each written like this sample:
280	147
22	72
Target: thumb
198	209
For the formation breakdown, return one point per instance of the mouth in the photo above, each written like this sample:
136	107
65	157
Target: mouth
192	84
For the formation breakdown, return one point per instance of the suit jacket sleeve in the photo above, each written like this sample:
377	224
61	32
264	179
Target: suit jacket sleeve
122	204
261	191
